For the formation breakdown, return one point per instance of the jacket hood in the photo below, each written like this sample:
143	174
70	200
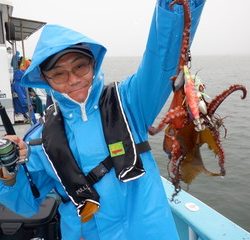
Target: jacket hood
53	39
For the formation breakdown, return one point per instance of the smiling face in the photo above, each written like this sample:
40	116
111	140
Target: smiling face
72	75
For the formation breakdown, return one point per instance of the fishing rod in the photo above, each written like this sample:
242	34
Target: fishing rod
9	155
6	121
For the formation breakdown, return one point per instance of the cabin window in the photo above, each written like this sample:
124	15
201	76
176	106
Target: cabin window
1	29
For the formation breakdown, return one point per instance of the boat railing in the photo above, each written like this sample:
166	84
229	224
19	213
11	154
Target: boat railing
197	221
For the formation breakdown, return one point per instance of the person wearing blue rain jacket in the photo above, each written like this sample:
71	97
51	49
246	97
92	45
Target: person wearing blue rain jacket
131	210
19	94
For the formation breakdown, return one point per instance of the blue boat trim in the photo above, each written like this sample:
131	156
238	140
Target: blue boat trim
197	221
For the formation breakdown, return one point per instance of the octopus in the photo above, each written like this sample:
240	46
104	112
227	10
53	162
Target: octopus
191	120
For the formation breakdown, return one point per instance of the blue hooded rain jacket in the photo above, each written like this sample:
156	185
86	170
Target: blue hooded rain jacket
19	93
133	210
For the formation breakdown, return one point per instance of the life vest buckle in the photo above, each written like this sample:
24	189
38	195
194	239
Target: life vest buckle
97	173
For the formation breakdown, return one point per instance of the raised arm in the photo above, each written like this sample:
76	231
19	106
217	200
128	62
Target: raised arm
148	89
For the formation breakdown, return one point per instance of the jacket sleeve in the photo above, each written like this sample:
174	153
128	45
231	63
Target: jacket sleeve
148	89
19	197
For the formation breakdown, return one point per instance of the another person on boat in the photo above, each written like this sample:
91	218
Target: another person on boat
95	153
36	102
19	95
10	56
21	107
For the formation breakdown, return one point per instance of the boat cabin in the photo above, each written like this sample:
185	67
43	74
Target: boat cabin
12	30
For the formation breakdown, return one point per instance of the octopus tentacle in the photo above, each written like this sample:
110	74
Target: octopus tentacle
221	154
191	120
186	32
215	103
170	117
176	156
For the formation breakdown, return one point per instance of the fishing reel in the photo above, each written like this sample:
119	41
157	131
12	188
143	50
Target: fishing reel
9	155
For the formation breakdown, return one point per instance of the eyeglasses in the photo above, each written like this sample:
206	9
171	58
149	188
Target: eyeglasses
60	76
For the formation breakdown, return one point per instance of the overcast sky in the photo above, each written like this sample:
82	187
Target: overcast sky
122	26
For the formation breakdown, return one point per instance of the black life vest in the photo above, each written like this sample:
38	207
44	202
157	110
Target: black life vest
124	153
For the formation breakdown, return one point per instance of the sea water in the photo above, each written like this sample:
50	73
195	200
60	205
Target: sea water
229	195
